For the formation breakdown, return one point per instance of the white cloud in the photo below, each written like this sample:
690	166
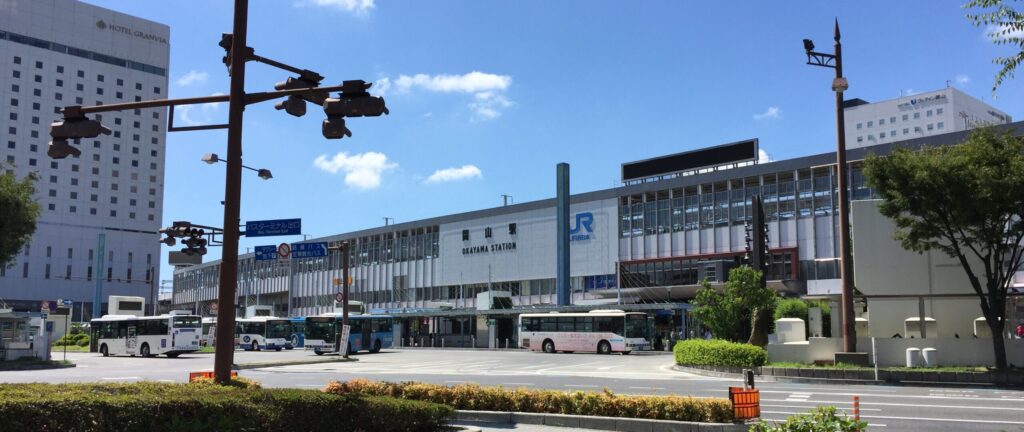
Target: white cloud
192	77
763	156
962	79
910	92
381	87
362	171
464	172
356	6
772	112
488	89
472	82
191	116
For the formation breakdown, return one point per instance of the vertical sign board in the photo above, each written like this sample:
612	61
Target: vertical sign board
344	338
276	227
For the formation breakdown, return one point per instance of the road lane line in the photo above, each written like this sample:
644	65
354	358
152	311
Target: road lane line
648	388
806	407
846	402
517	384
901	396
581	385
122	378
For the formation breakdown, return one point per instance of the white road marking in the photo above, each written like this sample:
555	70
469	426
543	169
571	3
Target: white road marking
901	396
121	378
517	384
806	407
581	385
648	388
846	402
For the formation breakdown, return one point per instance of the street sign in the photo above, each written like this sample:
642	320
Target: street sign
276	227
266	253
345	329
339	297
309	250
66	302
284	250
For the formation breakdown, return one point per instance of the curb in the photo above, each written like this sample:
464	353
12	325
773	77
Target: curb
40	367
839	381
595	422
291	363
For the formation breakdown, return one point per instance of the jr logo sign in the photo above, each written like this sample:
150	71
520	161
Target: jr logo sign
583	229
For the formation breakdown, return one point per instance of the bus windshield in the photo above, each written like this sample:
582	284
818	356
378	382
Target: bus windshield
636	326
187	322
279	329
320	329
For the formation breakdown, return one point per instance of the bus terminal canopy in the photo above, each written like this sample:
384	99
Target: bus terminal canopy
638	307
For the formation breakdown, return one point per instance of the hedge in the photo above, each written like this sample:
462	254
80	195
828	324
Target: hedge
162	407
717	352
605	403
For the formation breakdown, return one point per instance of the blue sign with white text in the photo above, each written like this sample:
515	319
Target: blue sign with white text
309	250
277	227
266	253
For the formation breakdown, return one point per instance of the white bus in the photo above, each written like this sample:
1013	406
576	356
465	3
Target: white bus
263	333
600	331
147	336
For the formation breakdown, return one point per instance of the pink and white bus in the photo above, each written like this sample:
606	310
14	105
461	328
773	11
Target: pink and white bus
600	331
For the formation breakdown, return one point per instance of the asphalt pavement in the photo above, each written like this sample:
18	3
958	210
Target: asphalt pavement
887	408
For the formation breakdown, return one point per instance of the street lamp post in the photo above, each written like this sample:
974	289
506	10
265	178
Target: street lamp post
354	101
263	173
839	85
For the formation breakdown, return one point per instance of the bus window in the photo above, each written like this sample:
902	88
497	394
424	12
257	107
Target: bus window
187	322
548	324
584	324
566	324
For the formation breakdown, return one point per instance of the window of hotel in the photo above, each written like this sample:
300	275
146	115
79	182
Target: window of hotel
931	126
939	125
881	121
905	117
906	131
487	232
805	193
871	123
892	119
707	207
859	125
465	235
860	139
917	115
692	208
664	222
787	195
881	135
650	215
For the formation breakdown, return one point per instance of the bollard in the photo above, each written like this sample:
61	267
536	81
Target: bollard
473	341
856	408
496	343
422	341
442	343
506	343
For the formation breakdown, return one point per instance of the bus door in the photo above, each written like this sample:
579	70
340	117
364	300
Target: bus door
132	341
368	326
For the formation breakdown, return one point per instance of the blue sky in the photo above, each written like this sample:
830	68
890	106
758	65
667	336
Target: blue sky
486	97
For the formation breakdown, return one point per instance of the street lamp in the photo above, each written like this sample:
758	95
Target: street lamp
839	85
263	173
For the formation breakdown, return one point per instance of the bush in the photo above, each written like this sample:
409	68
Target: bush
716	352
822	419
83	342
475	397
791	308
205	407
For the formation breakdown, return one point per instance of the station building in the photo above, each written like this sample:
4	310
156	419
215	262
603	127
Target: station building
643	246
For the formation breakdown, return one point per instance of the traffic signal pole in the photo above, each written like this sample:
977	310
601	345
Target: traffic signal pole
225	346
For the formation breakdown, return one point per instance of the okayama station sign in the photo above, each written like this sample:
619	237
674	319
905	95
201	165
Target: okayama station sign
496	247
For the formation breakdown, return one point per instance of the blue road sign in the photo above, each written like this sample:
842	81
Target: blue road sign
266	253
309	250
277	227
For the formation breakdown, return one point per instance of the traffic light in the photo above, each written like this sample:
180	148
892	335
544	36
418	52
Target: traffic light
353	101
293	105
74	125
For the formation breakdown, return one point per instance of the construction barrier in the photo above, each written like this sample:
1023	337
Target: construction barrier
746	403
192	376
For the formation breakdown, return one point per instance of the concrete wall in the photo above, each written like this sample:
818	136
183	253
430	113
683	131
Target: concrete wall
883	267
892	352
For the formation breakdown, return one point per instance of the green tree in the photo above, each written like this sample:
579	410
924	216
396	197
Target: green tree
18	213
1007	27
744	299
967	201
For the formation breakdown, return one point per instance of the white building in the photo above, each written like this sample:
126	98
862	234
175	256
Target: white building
920	115
55	53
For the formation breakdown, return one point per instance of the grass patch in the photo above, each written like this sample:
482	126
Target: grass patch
605	403
31	363
159	407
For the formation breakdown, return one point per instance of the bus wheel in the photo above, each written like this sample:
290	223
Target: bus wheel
318	352
376	346
103	350
145	350
295	341
277	349
549	347
173	355
604	348
255	346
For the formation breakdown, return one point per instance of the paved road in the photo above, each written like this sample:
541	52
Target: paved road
888	408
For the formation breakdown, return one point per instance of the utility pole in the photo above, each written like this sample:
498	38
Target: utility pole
354	101
505	198
344	291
